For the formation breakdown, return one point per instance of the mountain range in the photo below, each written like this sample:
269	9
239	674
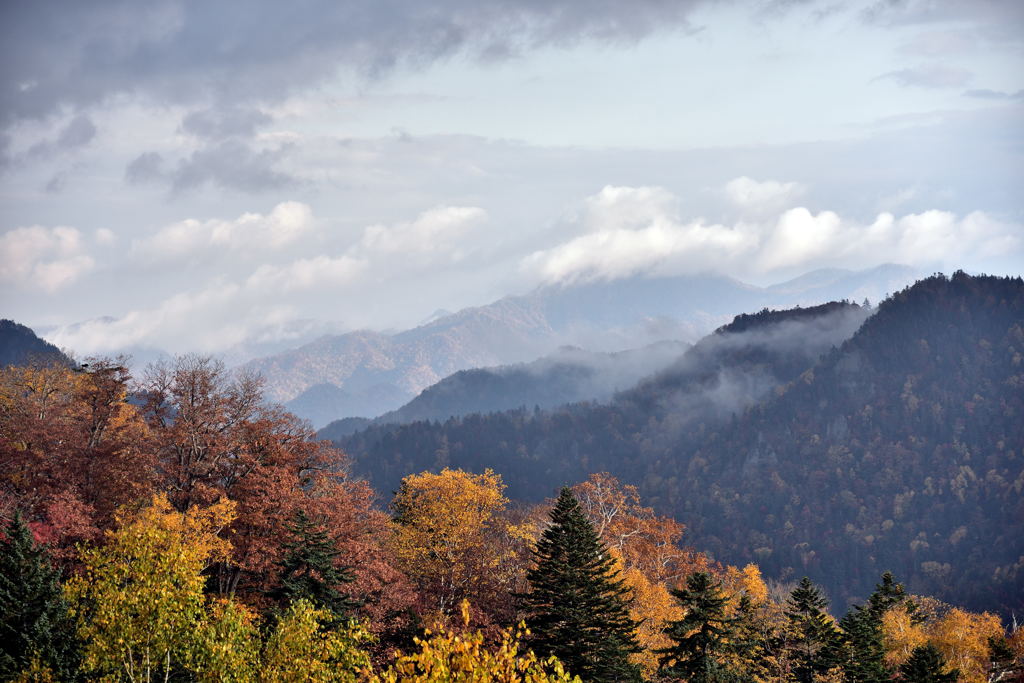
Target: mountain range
365	374
777	442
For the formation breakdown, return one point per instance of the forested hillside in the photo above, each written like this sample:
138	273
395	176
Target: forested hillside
177	526
566	376
899	449
20	345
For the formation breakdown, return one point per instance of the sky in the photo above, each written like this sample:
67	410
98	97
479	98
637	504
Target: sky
196	176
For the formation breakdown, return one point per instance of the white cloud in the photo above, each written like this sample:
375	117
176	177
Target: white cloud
227	312
307	273
41	257
748	193
662	244
105	236
433	230
285	223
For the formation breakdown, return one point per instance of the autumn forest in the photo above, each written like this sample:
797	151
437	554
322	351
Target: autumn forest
173	525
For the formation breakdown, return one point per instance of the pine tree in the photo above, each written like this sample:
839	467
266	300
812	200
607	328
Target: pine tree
309	571
704	637
578	607
813	639
889	594
925	666
34	620
864	652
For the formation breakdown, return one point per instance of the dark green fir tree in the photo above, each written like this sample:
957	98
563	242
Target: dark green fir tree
863	659
889	594
34	620
309	569
926	666
703	639
811	636
578	606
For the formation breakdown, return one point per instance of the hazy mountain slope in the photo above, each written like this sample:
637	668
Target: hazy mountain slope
19	345
567	376
597	316
900	450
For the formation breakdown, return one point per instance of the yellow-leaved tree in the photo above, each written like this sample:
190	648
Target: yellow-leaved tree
451	538
962	638
301	650
900	635
143	615
139	600
450	656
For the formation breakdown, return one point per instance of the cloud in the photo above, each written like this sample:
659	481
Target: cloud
66	53
929	76
285	223
224	311
307	273
43	258
78	133
795	239
747	193
220	123
231	163
147	167
433	230
986	94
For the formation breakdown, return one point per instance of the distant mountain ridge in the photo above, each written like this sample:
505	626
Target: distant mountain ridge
566	376
378	372
899	449
19	345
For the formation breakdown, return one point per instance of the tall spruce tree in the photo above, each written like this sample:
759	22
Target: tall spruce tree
309	571
889	594
812	638
34	620
926	666
578	607
864	652
703	639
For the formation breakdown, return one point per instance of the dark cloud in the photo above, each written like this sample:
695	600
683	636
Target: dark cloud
929	76
233	165
221	123
910	12
79	132
986	94
147	167
57	183
73	53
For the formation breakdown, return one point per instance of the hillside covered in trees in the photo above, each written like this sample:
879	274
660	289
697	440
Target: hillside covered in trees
898	449
177	526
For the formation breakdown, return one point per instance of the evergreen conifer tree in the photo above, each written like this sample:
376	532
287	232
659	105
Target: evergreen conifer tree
704	638
889	594
864	654
309	572
34	620
578	607
812	638
925	666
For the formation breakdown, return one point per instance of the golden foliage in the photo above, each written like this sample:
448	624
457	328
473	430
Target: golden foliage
900	635
653	606
449	536
300	650
139	601
962	638
462	657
